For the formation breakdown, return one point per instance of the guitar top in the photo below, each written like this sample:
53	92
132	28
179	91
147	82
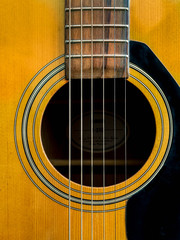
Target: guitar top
89	140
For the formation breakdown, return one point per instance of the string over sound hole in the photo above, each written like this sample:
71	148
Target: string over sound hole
138	139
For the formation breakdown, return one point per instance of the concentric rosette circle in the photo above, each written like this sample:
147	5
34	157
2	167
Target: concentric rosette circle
27	134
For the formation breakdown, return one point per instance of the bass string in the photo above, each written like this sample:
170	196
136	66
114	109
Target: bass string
92	122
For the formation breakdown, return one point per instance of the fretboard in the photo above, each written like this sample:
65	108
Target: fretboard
97	38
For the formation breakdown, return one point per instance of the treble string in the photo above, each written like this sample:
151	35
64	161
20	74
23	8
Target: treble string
69	212
103	129
125	92
81	123
115	161
126	76
92	123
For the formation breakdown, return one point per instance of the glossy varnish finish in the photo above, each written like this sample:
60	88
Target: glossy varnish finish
32	34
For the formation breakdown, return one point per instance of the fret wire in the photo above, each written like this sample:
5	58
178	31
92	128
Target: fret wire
98	25
98	56
98	40
98	8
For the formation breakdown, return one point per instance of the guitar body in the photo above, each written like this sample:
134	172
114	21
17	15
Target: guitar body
147	212
32	39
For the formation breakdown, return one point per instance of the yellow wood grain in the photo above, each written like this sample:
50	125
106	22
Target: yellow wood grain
32	34
156	23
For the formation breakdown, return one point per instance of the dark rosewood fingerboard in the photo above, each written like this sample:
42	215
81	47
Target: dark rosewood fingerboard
98	34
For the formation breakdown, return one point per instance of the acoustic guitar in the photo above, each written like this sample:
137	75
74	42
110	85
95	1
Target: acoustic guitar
90	120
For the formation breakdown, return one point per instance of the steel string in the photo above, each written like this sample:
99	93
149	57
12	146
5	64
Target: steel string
103	128
69	211
115	155
81	122
92	123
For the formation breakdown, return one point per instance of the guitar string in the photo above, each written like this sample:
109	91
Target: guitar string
115	160
92	119
115	129
125	90
81	123
103	129
126	76
69	211
92	123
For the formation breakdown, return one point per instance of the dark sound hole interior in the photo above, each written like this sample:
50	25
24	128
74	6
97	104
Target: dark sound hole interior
138	137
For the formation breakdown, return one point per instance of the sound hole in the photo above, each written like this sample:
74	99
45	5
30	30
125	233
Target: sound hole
136	145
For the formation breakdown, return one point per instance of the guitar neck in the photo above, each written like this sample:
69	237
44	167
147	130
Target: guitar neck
97	39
